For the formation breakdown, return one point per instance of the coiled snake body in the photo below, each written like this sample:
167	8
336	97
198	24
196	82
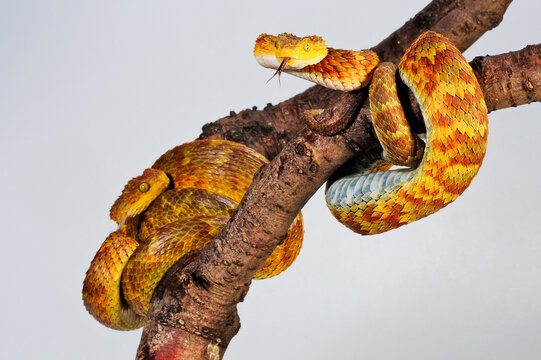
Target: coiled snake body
177	205
369	199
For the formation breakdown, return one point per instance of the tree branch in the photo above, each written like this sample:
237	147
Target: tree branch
268	130
510	79
193	312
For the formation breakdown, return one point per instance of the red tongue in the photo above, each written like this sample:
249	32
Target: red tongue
279	70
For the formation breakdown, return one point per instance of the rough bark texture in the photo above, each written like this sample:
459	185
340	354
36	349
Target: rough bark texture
193	312
510	79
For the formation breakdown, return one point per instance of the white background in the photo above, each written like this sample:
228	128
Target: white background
92	92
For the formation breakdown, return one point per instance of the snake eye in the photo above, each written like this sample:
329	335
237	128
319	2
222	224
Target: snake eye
144	187
275	43
306	47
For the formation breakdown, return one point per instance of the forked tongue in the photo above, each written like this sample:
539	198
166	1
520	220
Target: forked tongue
279	70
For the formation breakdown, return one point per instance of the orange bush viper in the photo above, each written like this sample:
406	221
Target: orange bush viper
370	198
177	205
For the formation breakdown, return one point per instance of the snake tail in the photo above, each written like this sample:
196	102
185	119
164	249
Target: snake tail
325	129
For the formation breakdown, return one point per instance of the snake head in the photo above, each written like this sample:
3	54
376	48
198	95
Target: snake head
298	52
138	193
289	52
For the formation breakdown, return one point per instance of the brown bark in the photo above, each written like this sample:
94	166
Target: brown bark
510	79
193	311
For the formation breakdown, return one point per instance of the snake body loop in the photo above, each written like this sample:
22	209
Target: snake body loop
176	206
369	198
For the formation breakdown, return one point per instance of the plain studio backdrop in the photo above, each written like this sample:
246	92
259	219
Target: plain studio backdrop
92	92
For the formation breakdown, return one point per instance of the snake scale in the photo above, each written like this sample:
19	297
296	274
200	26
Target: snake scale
184	199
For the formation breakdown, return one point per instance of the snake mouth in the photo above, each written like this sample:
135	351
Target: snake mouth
280	69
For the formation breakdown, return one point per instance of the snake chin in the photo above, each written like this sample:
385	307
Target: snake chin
122	221
294	63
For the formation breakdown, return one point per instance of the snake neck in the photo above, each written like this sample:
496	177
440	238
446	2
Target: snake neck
130	225
344	70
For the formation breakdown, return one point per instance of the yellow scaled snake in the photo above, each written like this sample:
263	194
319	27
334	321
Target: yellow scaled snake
177	205
371	199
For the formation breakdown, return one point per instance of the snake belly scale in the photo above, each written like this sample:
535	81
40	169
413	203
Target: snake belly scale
370	198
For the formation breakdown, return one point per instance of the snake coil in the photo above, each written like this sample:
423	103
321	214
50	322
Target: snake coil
177	205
